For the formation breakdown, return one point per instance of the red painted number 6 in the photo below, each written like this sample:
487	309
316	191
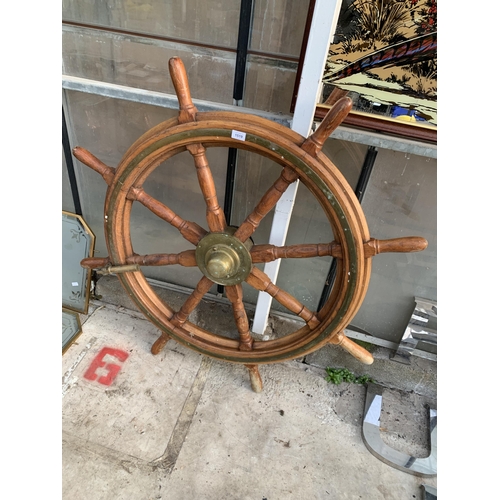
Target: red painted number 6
112	368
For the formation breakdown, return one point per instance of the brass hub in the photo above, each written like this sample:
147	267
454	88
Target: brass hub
223	258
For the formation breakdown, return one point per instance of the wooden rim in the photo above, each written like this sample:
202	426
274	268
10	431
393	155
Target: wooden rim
283	146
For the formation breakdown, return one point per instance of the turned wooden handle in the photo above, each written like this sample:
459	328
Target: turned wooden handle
255	378
95	262
334	96
181	84
404	245
360	353
94	163
335	116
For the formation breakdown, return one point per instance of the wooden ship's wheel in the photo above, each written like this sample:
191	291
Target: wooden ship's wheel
226	255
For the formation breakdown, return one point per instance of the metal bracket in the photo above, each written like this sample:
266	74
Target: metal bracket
422	327
425	467
118	269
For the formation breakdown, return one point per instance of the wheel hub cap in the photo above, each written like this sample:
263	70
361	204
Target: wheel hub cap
223	258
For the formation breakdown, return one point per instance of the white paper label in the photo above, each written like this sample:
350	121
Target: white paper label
241	136
74	283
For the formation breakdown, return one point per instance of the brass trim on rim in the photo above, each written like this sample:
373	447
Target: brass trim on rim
320	176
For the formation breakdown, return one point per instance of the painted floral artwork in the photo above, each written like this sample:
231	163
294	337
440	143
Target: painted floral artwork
385	54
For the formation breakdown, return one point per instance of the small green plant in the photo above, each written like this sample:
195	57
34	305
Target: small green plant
338	375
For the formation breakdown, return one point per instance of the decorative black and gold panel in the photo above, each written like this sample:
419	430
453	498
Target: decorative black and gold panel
384	53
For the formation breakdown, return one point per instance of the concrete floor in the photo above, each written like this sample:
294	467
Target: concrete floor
182	426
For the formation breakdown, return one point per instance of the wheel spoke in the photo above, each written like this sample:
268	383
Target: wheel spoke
160	343
268	253
360	353
235	295
190	230
203	286
94	163
406	244
266	204
215	215
255	378
335	116
185	259
262	282
187	110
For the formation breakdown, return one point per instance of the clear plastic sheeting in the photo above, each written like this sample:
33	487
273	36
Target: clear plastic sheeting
348	157
204	21
278	27
400	200
107	128
269	84
142	63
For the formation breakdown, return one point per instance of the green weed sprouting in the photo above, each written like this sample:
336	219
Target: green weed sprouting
338	375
